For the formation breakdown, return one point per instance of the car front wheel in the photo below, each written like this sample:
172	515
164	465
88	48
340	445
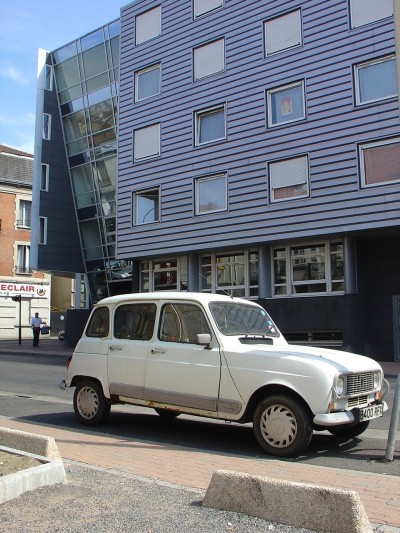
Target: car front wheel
90	404
282	426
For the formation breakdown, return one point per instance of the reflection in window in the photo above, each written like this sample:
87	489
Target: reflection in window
211	194
147	82
159	275
94	61
147	206
210	125
376	80
67	74
314	268
75	126
99	323
182	322
286	104
135	321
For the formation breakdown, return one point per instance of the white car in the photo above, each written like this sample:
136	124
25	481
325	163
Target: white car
219	357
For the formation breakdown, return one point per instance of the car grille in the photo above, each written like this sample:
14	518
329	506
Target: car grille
358	401
359	383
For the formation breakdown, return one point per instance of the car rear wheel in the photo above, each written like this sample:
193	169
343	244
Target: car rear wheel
349	432
282	426
90	404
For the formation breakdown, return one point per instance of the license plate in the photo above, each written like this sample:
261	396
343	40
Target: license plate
368	413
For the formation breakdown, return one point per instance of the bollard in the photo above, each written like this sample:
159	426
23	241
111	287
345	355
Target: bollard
394	420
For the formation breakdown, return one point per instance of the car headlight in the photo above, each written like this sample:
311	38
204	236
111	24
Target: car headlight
340	386
377	380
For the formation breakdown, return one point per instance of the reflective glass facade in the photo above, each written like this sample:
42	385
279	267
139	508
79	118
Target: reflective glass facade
86	80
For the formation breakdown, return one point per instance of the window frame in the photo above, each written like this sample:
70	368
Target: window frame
352	15
137	159
204	113
286	48
289	283
42	235
24	249
198	49
137	20
368	145
282	88
202	179
149	271
272	189
44	178
208	11
136	196
154	66
46	127
367	64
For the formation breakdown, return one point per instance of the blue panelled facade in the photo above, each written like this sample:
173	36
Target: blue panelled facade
258	155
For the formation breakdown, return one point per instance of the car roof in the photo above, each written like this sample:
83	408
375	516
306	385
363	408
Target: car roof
201	297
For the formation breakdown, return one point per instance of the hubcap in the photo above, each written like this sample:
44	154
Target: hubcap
278	426
88	402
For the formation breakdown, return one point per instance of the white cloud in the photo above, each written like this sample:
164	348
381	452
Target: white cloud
14	74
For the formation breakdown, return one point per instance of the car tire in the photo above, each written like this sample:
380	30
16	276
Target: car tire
167	413
349	432
282	426
90	405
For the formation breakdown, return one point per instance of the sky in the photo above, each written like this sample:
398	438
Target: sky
26	26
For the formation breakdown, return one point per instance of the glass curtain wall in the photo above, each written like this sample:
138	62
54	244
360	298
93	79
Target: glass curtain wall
86	75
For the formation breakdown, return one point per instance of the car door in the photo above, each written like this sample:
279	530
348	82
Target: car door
180	372
133	330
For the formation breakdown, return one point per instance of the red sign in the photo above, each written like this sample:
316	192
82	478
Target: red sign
30	290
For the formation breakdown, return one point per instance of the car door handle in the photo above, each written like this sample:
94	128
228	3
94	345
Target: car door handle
112	347
157	350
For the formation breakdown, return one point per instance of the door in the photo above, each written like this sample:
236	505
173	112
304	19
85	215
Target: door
396	327
180	372
133	330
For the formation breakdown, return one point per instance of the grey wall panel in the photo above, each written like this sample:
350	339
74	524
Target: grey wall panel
329	135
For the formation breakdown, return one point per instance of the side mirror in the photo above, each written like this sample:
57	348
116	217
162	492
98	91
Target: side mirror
204	339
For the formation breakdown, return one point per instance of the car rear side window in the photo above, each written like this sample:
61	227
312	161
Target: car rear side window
181	322
99	324
135	321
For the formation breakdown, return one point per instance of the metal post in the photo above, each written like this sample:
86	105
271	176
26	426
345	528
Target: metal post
393	422
19	326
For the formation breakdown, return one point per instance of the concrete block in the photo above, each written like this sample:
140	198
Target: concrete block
324	509
29	442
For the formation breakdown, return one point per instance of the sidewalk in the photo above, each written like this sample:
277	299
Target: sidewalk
380	494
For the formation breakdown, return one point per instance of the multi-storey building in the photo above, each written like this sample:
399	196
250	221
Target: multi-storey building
258	154
23	291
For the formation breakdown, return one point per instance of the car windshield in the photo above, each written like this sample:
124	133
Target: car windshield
241	319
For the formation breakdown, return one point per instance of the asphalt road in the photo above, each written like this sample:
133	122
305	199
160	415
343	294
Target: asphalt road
29	391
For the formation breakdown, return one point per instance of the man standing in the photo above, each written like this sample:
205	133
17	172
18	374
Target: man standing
36	321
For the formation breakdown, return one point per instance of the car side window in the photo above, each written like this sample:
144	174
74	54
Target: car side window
99	323
181	322
135	321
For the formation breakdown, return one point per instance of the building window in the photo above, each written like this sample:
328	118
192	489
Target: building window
210	125
48	78
147	82
308	269
44	177
380	162
146	142
161	275
201	7
366	11
283	32
376	80
46	127
23	254
24	214
209	59
286	104
288	179
146	206
42	230
148	25
234	273
211	194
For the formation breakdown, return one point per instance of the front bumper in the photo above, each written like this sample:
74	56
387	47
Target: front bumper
340	417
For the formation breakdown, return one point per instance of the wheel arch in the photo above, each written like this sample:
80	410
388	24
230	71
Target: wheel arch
269	390
79	378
